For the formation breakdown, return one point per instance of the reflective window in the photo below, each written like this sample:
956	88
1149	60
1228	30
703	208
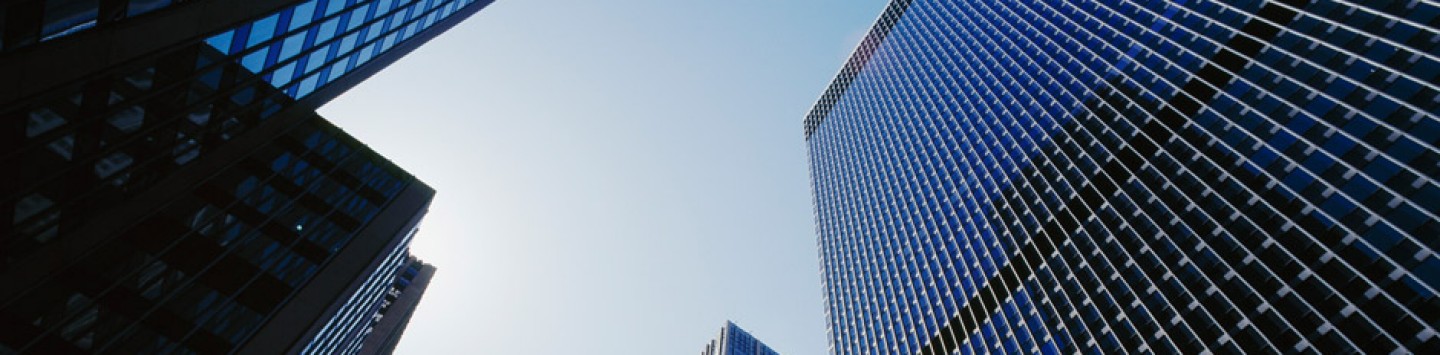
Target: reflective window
304	13
335	6
262	30
291	46
221	41
255	61
64	16
143	6
326	31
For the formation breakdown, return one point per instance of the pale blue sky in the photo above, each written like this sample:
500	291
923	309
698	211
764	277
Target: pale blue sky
614	177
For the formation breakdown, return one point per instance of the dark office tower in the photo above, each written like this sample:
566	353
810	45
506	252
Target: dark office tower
246	250
1166	176
735	341
165	185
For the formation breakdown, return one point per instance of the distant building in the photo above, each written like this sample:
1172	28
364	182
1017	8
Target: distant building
735	341
166	186
1133	176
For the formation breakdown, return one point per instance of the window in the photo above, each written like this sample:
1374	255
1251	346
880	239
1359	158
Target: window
64	16
262	30
221	41
143	6
291	46
303	15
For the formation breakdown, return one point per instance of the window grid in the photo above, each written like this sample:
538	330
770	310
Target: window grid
1166	202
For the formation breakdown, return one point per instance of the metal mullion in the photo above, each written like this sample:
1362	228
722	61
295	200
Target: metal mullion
853	270
1012	210
157	256
906	179
1312	205
1126	193
998	308
1072	269
1093	212
848	255
887	252
978	210
873	267
144	97
127	140
251	237
124	276
1096	214
104	152
1268	205
893	157
1320	121
1337	159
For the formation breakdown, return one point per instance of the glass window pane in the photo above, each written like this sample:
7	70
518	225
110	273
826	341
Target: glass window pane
65	16
369	33
255	61
283	75
334	6
317	59
292	46
357	18
303	15
395	20
366	54
262	30
327	30
322	75
346	44
336	71
143	6
221	41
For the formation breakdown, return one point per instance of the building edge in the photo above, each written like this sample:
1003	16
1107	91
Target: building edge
858	59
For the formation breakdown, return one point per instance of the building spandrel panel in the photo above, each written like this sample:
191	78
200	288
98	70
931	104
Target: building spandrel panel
1038	176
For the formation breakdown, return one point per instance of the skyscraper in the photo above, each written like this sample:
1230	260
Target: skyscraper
735	341
166	186
1172	176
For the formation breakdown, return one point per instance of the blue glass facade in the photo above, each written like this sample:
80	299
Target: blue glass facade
1171	176
735	341
309	45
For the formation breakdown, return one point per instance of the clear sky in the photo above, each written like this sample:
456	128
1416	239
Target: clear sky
614	177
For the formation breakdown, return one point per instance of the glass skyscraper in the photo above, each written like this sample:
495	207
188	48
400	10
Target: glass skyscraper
1166	176
166	186
735	341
